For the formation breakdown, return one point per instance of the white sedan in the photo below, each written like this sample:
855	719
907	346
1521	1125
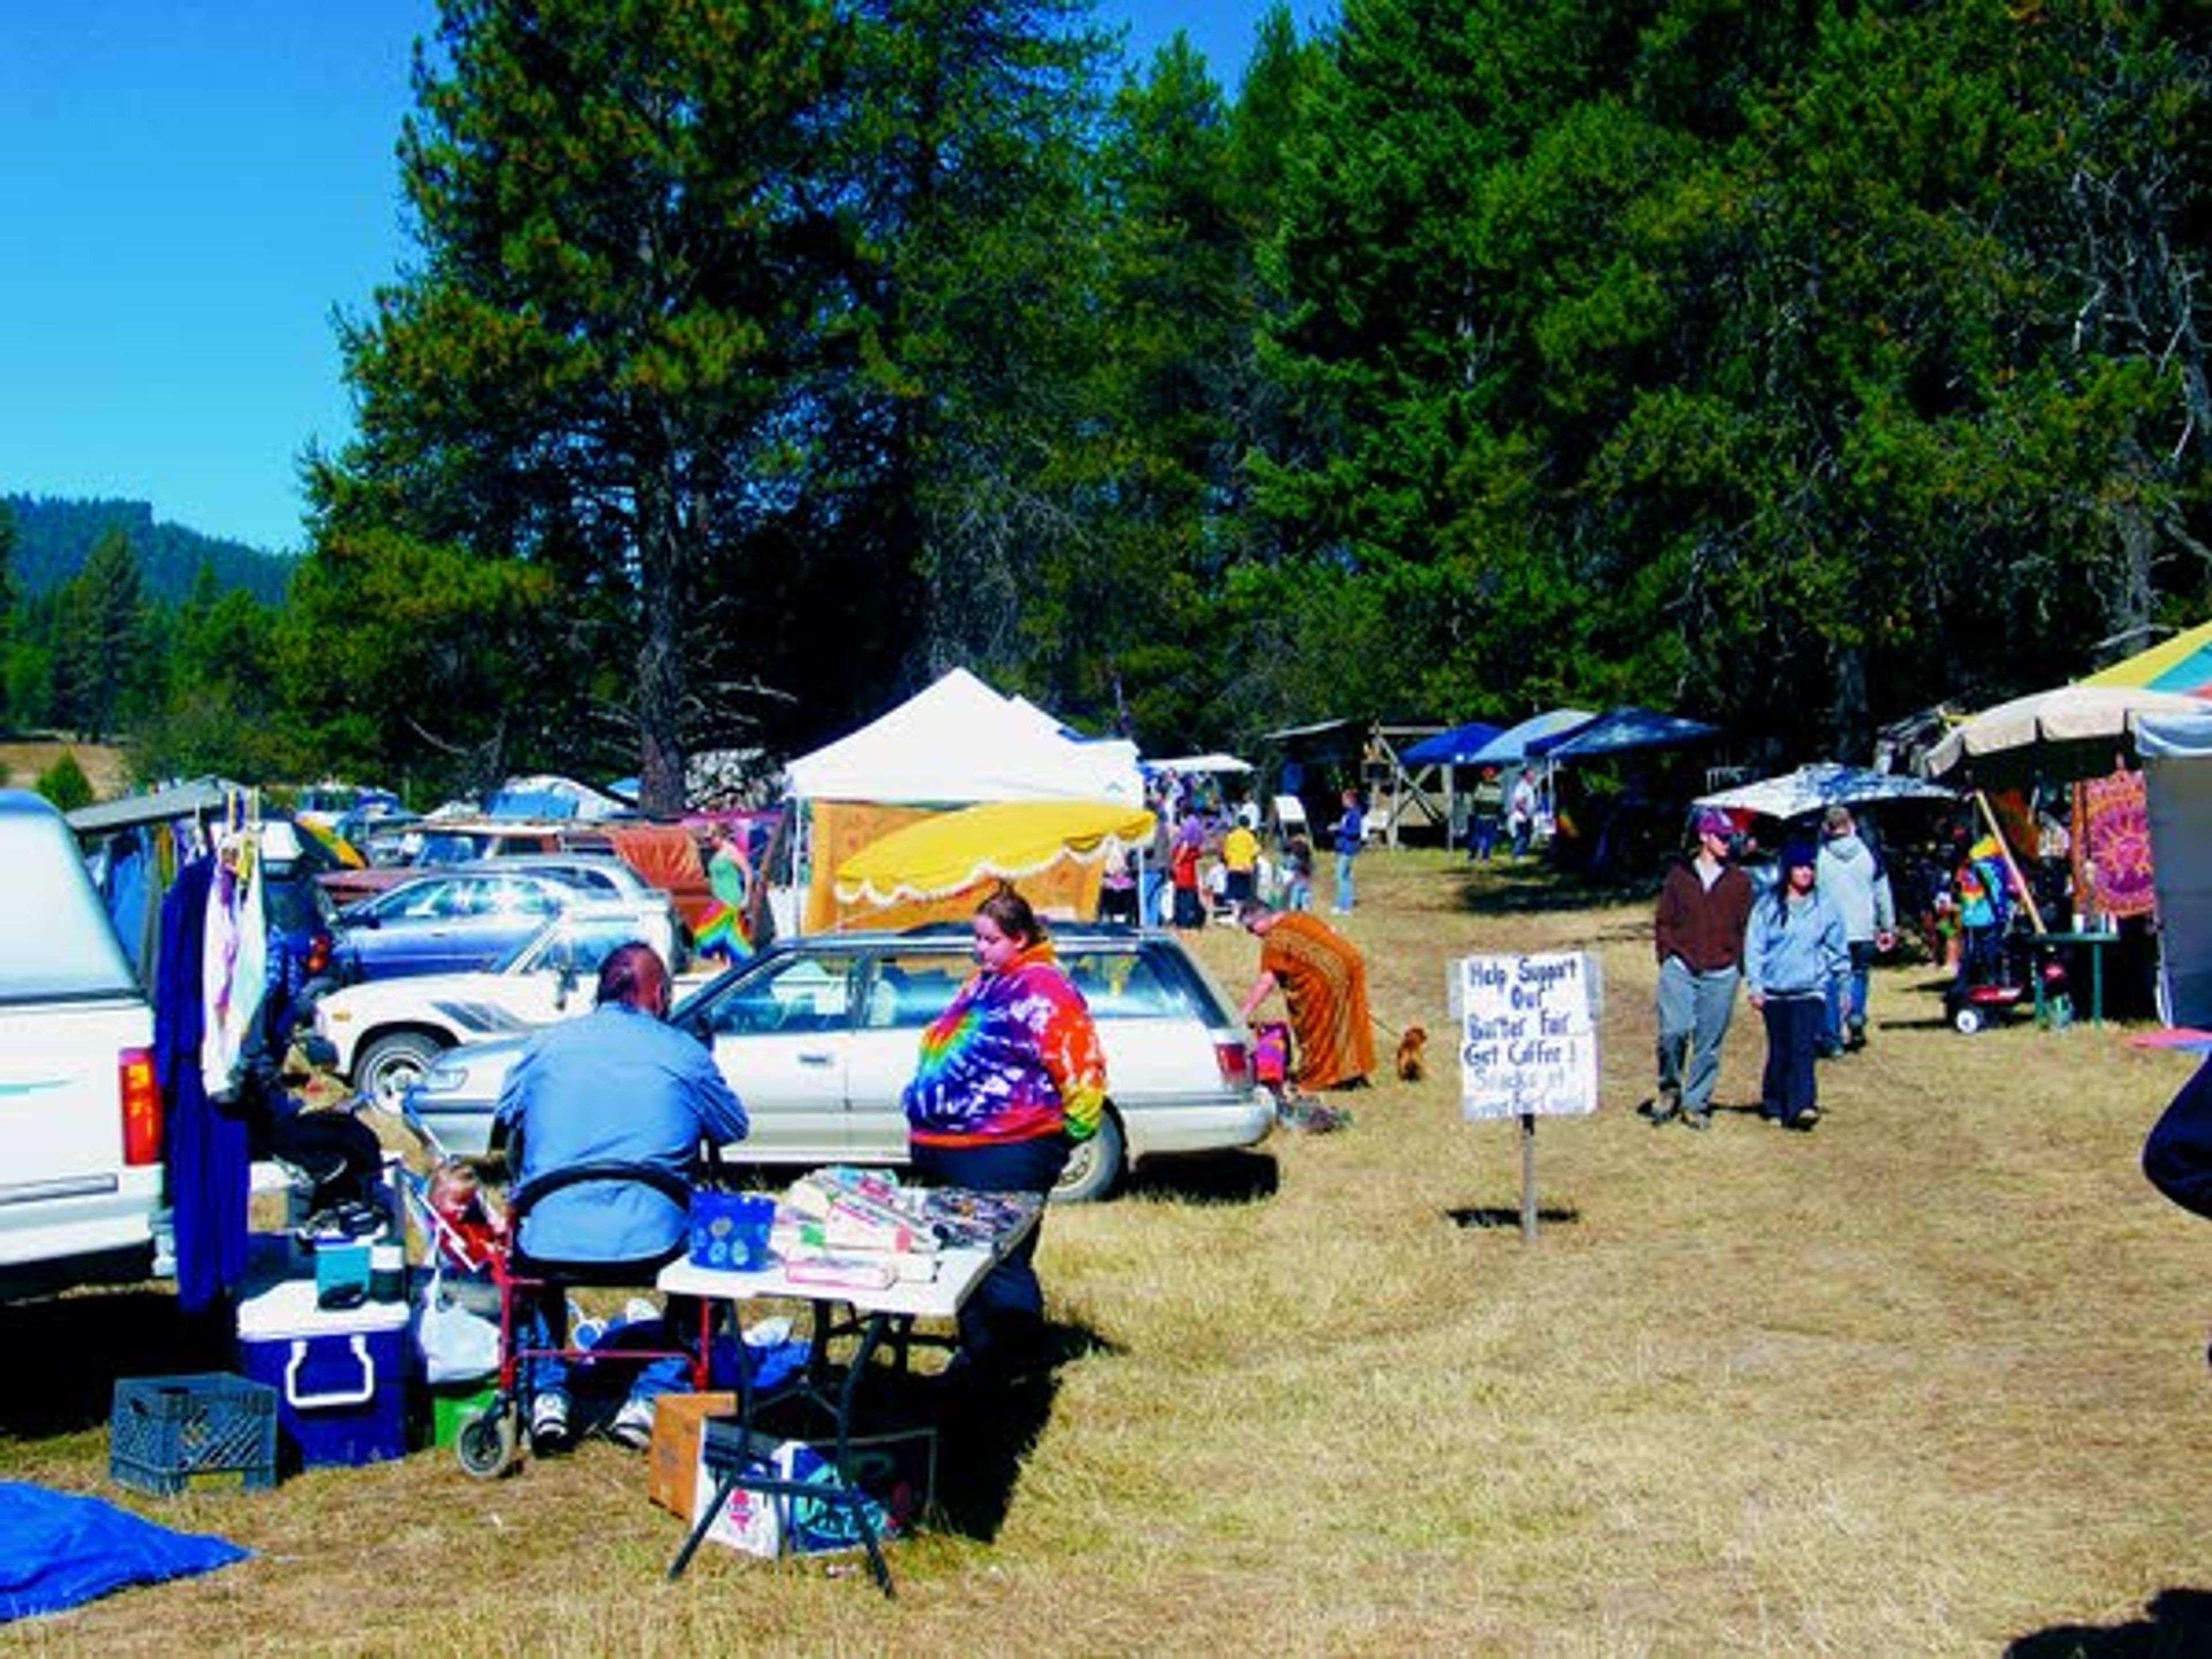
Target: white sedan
386	1033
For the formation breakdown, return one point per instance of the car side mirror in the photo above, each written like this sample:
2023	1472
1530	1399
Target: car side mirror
700	1028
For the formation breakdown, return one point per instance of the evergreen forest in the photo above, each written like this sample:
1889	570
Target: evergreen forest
1797	365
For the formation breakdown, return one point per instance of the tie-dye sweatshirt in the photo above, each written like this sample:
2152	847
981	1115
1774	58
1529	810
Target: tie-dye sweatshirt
1015	1057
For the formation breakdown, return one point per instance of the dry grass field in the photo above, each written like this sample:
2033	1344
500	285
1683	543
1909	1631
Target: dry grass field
1929	1381
105	769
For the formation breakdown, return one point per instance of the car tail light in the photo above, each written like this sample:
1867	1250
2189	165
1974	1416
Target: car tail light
318	954
1235	1060
140	1098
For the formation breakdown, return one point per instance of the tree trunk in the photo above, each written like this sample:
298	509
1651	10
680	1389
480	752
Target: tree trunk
660	703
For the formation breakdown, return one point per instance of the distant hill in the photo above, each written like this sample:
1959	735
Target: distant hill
53	536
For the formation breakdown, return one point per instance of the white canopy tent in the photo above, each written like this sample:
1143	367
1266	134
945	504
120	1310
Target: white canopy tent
1187	765
959	743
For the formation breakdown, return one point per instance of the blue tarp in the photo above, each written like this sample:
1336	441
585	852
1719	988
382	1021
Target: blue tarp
1619	731
57	1550
1457	747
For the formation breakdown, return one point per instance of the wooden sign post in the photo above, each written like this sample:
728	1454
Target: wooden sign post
1527	1045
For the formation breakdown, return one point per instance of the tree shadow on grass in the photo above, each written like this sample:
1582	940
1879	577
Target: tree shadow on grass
70	1351
1536	888
2176	1622
986	1432
1237	1177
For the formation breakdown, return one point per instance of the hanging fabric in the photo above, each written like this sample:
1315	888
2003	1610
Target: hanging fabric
209	1173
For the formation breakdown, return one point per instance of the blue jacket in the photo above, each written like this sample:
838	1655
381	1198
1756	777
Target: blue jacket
617	1084
1795	947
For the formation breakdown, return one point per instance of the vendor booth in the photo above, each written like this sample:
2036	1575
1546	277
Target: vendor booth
2056	785
959	744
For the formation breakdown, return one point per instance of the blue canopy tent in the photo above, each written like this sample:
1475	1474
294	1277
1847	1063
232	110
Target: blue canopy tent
1457	747
1516	743
1620	730
1450	750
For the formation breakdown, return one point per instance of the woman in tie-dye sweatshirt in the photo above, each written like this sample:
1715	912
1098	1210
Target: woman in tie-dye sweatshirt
1011	1075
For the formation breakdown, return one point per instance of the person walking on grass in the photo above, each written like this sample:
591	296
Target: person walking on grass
1351	834
1794	953
1703	905
1851	873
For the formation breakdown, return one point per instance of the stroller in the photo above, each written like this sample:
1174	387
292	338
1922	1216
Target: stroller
2001	962
1996	976
469	1236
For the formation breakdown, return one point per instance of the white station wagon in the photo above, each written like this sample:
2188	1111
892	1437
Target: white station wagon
819	1035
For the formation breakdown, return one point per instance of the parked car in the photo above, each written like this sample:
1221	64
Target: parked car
818	1035
81	1175
462	921
384	1034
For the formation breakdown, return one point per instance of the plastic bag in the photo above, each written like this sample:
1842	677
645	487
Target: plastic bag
457	1346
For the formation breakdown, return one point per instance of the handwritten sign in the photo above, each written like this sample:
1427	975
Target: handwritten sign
1528	1034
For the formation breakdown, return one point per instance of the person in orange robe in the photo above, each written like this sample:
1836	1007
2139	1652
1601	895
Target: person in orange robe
1323	979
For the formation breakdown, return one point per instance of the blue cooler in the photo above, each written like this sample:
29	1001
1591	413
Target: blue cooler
340	1376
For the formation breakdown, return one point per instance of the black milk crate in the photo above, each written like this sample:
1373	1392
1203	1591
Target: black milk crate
172	1434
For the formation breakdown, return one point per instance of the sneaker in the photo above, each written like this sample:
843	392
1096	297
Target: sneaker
1698	1117
1805	1123
548	1422
1665	1105
1855	1038
633	1424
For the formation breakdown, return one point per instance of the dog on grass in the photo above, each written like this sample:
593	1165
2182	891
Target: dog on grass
1412	1054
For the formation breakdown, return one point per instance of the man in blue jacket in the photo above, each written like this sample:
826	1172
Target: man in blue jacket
619	1086
1350	833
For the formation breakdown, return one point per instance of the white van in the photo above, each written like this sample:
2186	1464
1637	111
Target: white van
81	1169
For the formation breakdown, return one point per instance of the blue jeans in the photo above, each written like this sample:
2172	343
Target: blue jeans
1345	893
1694	1012
1847	998
542	1322
1006	1308
1791	1085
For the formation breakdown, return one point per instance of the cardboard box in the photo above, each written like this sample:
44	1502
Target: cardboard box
672	1464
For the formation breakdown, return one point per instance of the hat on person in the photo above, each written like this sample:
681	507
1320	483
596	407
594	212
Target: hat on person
1714	822
1798	855
1837	819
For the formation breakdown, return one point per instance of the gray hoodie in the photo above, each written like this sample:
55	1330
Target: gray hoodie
1856	886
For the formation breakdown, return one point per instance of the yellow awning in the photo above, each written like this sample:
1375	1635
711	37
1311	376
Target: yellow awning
1007	840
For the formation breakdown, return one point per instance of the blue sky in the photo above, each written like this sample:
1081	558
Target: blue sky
191	188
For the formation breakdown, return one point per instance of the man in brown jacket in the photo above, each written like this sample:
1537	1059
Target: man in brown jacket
1702	906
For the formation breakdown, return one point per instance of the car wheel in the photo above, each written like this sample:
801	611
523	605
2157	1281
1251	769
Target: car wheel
1093	1166
1967	1019
393	1064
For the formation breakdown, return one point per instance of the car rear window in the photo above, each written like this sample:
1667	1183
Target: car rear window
57	944
1125	985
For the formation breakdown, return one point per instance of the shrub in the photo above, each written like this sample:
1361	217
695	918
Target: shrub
65	784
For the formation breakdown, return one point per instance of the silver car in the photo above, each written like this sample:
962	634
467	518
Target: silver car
818	1037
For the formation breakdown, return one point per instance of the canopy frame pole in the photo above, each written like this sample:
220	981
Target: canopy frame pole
2004	851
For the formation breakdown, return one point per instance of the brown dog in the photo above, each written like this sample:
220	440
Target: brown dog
1412	1054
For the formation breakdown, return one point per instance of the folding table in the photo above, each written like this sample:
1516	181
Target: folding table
734	1449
